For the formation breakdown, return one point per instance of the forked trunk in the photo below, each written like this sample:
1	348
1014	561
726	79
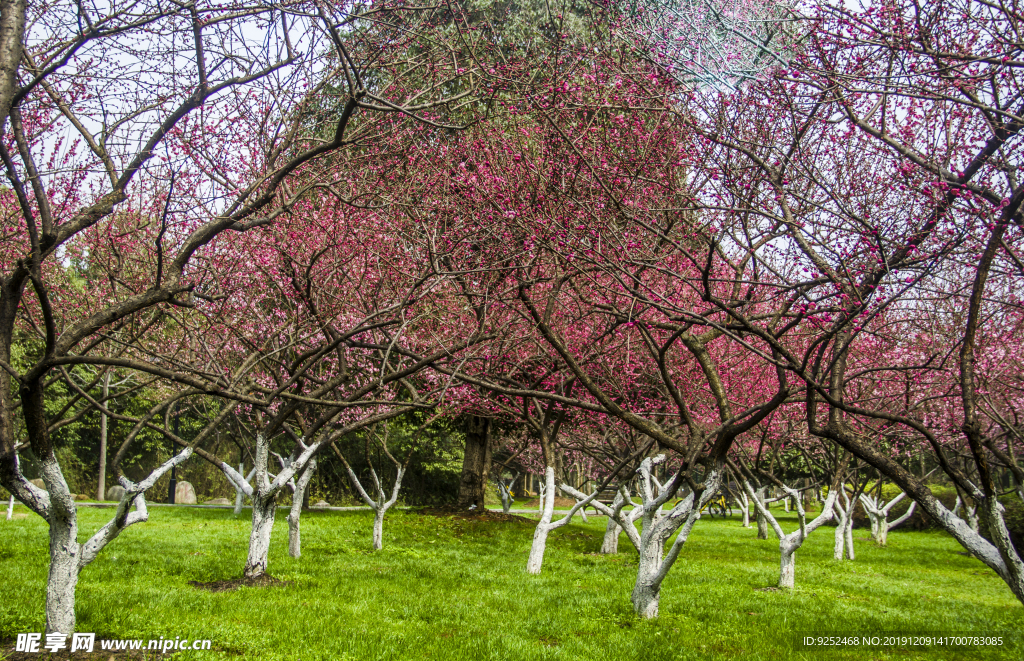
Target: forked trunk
263	510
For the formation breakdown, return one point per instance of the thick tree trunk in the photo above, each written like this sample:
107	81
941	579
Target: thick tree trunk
611	537
787	568
647	590
298	500
540	534
101	482
63	577
476	463
745	508
263	510
65	551
849	538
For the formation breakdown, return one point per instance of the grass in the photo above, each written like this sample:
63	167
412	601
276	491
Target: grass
454	588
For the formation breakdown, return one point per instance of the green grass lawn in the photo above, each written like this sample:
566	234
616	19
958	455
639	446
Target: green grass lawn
453	588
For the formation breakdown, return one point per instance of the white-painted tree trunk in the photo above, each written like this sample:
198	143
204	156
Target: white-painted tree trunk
762	523
787	565
298	497
788	544
380	504
843	547
67	556
239	495
610	544
743	502
647	588
505	492
10	508
878	515
263	511
657	526
65	559
540	534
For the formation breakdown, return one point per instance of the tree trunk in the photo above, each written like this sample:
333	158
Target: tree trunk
787	568
63	576
839	547
849	537
238	492
12	36
475	464
298	499
263	510
540	534
647	590
378	529
611	537
762	522
101	486
745	508
65	551
10	508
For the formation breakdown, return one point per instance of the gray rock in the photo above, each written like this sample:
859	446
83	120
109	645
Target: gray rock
218	501
39	483
322	503
115	493
184	494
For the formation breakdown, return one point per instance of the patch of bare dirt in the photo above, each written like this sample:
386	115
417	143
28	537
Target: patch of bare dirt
265	581
484	515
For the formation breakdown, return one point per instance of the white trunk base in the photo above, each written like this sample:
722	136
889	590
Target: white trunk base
611	537
259	539
787	569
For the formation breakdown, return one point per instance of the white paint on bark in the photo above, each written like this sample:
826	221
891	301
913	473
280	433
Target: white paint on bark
298	497
788	544
505	492
843	547
540	534
657	526
67	556
380	503
878	514
613	530
10	508
263	510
